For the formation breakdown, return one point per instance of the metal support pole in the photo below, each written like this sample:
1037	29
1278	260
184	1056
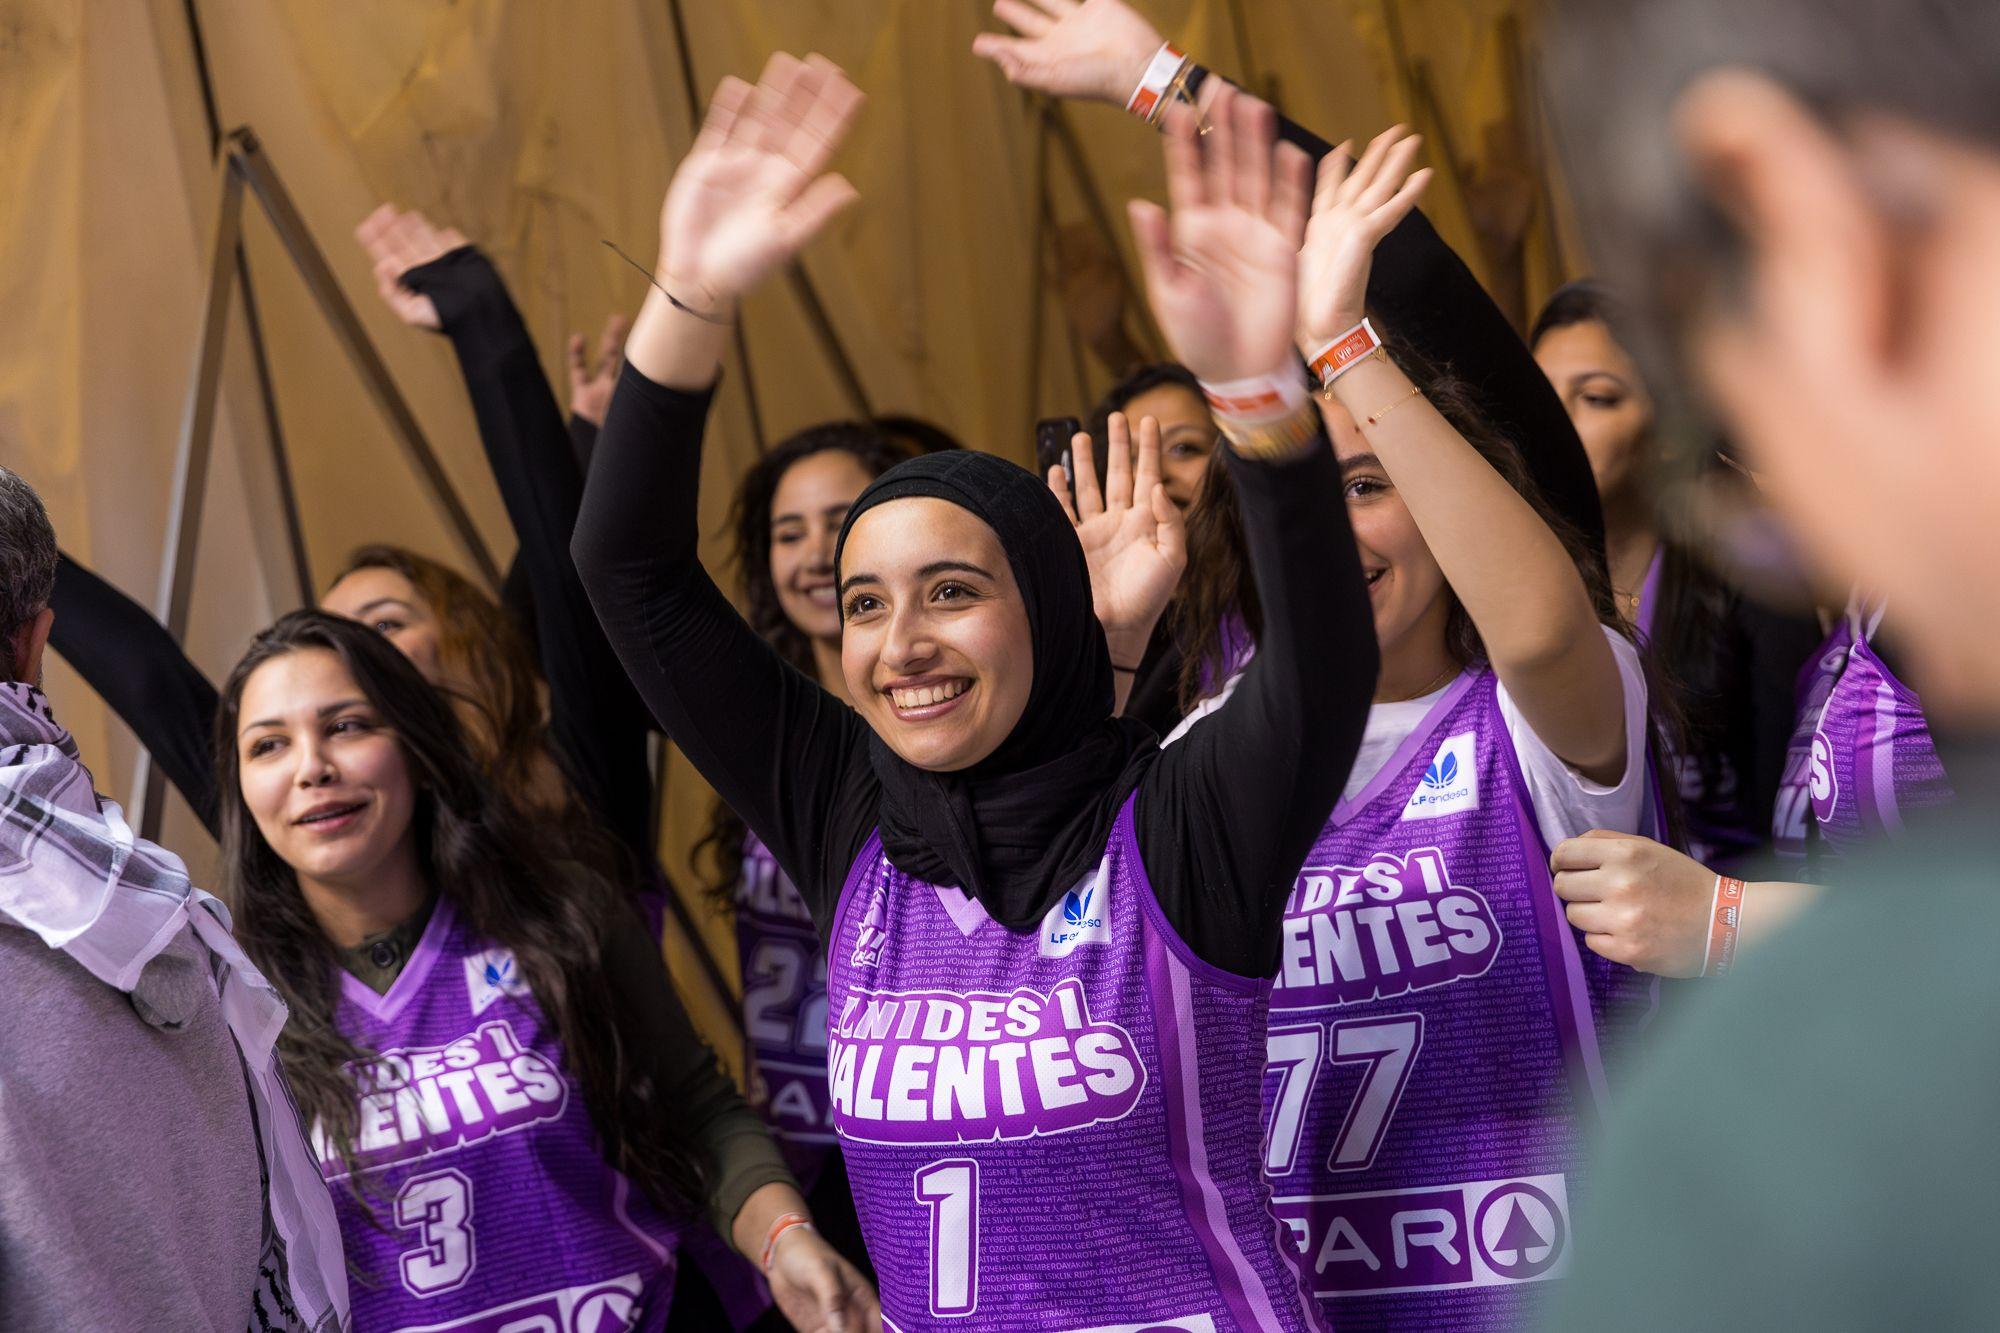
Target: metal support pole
262	178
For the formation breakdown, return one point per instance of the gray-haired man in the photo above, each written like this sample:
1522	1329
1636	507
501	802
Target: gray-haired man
152	1171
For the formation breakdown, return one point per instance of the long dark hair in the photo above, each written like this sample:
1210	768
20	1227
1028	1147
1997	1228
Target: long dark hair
1218	581
1692	611
720	849
482	851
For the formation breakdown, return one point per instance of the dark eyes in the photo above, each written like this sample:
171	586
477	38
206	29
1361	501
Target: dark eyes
386	626
346	725
1362	487
863	602
1603	401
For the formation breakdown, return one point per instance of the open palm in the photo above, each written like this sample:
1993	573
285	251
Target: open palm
1132	535
1355	205
750	193
1096	49
1222	269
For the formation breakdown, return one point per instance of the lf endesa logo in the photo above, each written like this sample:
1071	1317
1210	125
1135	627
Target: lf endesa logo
1449	783
1081	916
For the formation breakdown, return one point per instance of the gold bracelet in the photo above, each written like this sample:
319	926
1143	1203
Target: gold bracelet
1377	417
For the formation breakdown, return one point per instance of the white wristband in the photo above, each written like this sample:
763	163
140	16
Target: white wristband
1160	71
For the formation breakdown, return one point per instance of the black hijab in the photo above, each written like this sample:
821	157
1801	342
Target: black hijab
1027	822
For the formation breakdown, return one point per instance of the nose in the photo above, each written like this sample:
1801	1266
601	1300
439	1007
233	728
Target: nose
909	646
824	538
315	767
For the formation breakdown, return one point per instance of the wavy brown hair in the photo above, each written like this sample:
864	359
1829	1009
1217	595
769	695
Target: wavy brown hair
490	858
493	682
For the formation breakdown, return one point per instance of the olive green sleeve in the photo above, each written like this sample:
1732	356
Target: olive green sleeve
734	1148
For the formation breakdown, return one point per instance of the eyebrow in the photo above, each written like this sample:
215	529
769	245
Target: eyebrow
1358	462
934	568
829	511
382	601
326	711
1578	380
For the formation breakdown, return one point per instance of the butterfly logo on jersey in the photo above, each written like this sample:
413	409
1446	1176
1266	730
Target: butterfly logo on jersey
491	973
1449	783
1078	917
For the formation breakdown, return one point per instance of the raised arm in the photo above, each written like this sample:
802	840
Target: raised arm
1512	574
786	756
143	676
1100	49
1226	817
597	725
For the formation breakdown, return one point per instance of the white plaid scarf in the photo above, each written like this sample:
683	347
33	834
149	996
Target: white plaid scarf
72	872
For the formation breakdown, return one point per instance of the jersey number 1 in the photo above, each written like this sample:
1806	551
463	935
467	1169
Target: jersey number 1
951	1190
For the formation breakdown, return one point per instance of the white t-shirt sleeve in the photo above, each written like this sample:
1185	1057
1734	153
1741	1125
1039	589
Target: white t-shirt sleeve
1566	803
1212	704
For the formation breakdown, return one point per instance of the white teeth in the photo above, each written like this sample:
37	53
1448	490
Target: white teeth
929	694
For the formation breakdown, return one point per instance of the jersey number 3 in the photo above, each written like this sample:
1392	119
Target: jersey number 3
438	1207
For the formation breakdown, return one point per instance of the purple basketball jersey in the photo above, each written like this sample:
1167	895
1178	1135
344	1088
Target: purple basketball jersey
1433	1058
494	1207
1053	1130
1861	755
784	1010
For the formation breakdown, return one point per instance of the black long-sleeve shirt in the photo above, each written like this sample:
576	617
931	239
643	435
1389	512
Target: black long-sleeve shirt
1223	819
135	666
597	724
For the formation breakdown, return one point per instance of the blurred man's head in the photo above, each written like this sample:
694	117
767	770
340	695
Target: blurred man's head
1804	195
27	578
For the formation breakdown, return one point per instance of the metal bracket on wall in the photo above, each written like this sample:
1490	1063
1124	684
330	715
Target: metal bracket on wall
240	164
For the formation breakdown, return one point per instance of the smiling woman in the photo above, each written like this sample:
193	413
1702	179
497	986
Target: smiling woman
451	983
1044	941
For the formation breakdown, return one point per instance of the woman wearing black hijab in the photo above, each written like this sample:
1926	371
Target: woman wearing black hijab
1047	941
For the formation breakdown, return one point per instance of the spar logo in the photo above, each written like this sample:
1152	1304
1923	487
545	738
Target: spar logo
1384	927
1449	783
1081	916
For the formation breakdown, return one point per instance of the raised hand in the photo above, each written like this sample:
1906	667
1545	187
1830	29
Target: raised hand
590	384
750	193
399	242
1352	211
1222	271
1096	49
1133	535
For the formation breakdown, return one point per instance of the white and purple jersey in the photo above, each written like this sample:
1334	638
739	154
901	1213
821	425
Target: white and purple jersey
1055	1130
784	1010
494	1209
1861	755
1433	1044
